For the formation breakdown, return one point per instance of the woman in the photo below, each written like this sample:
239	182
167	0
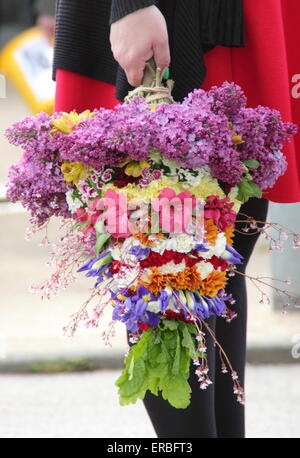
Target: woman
172	32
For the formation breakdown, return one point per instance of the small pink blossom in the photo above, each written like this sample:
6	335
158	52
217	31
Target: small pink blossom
107	175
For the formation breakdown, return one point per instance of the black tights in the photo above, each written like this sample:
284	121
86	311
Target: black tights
215	412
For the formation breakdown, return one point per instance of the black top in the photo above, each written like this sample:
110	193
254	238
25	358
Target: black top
195	26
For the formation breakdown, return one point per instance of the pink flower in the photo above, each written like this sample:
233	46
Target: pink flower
114	206
107	175
83	217
157	174
220	211
175	210
144	182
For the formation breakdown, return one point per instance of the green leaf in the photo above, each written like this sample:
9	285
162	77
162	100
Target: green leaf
185	361
134	381
99	226
176	362
101	241
79	226
159	362
177	390
251	163
170	324
130	369
188	342
248	189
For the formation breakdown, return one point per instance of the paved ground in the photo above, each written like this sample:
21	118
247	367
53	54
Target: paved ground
86	406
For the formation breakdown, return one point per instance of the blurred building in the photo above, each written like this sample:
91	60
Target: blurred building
18	15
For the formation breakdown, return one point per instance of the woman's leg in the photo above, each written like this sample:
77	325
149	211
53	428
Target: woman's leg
198	420
230	415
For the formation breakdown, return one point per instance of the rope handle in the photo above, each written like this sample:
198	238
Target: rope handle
152	88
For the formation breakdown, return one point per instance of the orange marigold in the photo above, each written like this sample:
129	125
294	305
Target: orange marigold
144	238
229	234
211	231
188	279
213	283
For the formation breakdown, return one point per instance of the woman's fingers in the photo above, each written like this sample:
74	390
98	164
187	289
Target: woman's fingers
136	38
161	54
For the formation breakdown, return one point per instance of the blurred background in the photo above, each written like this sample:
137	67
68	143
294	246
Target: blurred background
56	386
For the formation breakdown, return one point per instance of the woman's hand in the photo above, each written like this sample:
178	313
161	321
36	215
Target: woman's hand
136	38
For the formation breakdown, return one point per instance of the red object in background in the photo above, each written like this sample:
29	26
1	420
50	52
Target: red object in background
266	69
78	92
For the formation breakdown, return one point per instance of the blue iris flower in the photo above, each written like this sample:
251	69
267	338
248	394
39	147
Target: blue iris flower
133	310
140	252
98	267
232	256
165	297
201	247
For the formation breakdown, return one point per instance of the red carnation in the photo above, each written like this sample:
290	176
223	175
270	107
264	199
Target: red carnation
217	262
178	316
144	326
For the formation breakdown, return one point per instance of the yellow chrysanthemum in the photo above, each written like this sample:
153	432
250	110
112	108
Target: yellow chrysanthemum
207	187
135	194
75	171
135	168
68	121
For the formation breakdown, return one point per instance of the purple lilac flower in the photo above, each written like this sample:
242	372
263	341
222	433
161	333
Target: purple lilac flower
33	134
264	134
227	100
198	98
191	134
111	136
41	188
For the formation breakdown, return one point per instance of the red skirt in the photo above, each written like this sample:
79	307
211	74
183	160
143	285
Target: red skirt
268	69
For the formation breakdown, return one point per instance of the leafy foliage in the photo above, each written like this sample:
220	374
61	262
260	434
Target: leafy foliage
160	362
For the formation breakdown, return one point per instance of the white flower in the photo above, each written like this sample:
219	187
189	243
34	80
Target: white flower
172	268
73	203
163	244
217	249
153	307
204	269
234	192
184	243
127	276
120	252
220	245
191	179
146	275
171	165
